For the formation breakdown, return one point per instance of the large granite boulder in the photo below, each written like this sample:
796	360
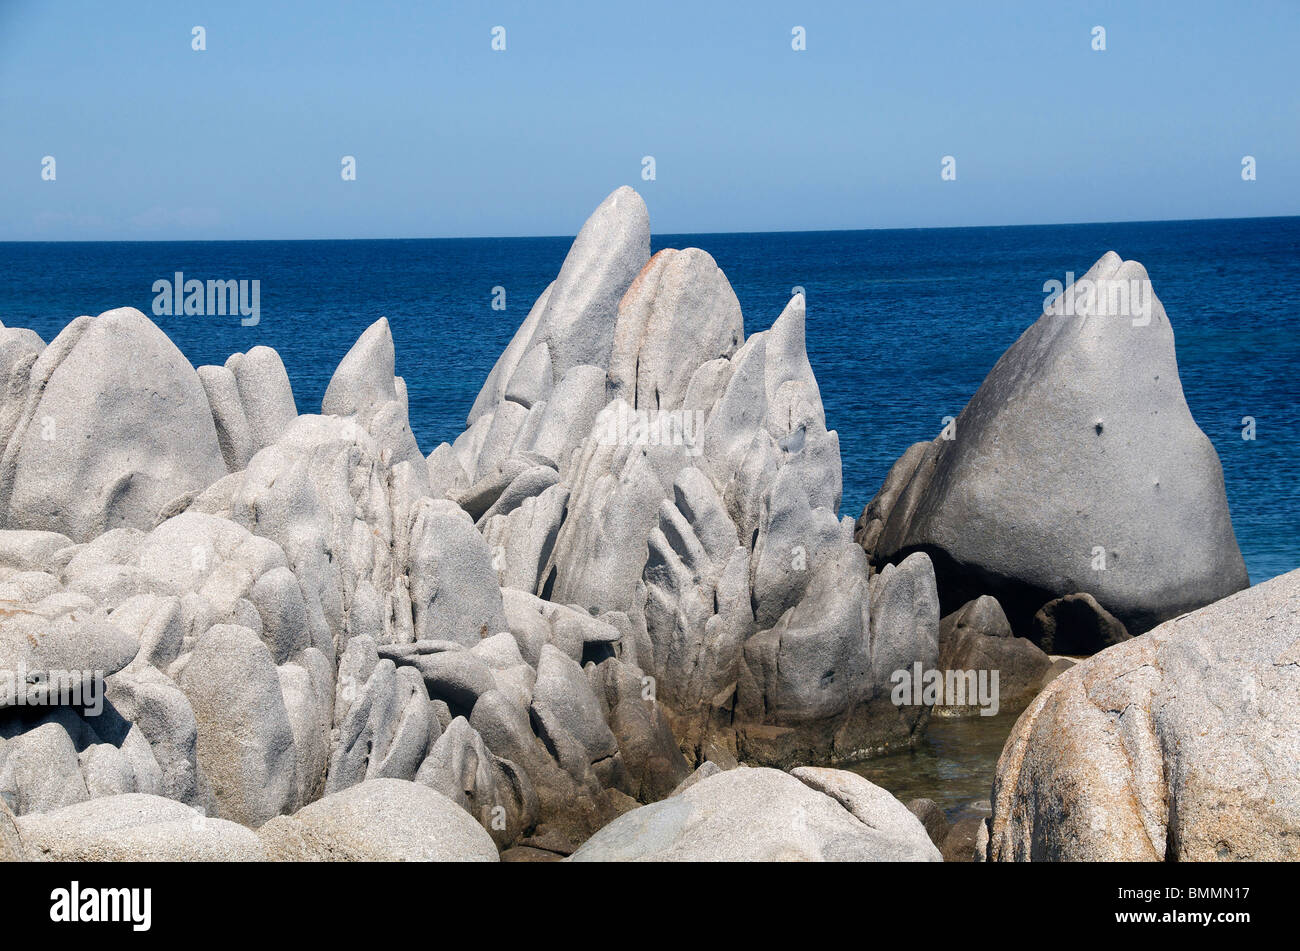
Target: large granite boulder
380	820
135	828
53	638
1076	467
1179	745
454	590
364	391
764	815
114	430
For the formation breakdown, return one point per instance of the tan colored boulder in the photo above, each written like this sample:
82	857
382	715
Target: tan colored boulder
1179	745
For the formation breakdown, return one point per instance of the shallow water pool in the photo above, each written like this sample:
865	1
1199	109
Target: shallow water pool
953	765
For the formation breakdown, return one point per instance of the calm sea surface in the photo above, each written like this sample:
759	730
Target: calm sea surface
902	325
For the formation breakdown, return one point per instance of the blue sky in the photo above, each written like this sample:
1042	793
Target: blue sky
153	140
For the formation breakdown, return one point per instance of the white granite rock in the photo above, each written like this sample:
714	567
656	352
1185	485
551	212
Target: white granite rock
764	815
382	820
116	427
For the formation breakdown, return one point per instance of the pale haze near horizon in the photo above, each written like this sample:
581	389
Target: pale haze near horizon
153	140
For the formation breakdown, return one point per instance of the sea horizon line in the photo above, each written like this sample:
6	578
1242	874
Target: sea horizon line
662	236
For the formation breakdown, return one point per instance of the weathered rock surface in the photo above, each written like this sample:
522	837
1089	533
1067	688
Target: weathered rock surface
764	815
245	741
54	635
978	638
571	722
454	591
660	338
1076	467
873	806
963	840
11	846
651	758
385	719
932	818
1179	745
629	566
364	391
114	427
675	485
252	403
493	790
135	828
381	820
577	323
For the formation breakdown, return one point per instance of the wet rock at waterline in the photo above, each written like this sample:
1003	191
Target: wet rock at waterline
977	637
932	818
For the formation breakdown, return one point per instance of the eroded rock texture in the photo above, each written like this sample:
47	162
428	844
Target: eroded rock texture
630	563
1179	745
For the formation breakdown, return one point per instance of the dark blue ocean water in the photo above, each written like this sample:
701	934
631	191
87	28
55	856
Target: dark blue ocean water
902	325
